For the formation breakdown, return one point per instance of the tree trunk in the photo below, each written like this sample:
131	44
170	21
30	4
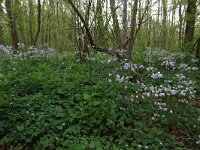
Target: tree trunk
164	23
125	22
149	23
158	25
198	49
190	24
39	23
180	24
116	27
12	25
20	13
100	23
30	21
86	42
172	41
1	26
133	27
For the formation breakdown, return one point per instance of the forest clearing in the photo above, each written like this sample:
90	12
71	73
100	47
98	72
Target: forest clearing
99	74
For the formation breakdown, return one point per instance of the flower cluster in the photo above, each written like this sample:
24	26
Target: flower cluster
186	67
167	90
122	79
162	106
6	49
22	53
157	75
151	68
169	64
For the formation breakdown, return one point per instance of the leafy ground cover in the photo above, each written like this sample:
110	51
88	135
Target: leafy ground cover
60	103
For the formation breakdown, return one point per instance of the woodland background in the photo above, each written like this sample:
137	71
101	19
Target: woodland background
127	24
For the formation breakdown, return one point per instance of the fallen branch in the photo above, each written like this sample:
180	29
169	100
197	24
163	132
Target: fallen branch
122	57
109	51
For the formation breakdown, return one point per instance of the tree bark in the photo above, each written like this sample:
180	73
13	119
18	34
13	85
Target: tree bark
198	49
30	21
190	23
100	23
133	27
39	22
164	23
125	22
20	21
180	24
12	25
1	26
86	42
116	27
158	24
172	41
149	23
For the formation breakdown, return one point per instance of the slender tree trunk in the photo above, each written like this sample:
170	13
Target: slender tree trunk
173	30
86	42
180	24
43	27
30	21
1	26
198	49
20	13
116	27
133	27
125	22
100	23
164	23
190	23
149	25
39	22
158	24
12	25
107	18
140	40
57	36
47	29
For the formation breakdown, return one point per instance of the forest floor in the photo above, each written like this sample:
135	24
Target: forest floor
60	103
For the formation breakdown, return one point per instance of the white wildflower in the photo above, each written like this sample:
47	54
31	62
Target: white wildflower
156	75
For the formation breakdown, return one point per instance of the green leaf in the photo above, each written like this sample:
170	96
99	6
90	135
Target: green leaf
87	97
20	127
96	103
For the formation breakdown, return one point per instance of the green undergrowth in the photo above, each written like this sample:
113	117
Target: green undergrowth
58	103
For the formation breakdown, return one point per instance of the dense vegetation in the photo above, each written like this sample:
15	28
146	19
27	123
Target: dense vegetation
59	103
99	74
